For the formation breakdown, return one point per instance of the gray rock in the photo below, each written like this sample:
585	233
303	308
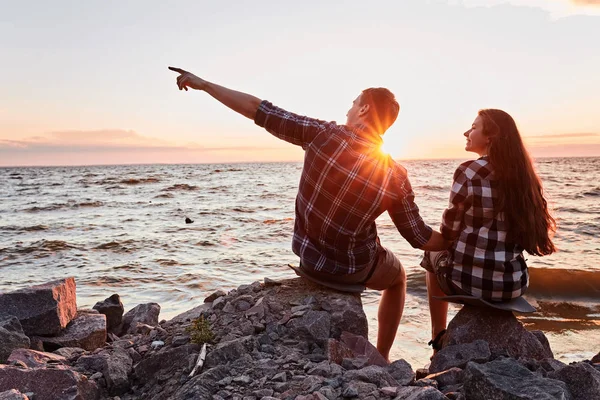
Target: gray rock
70	353
11	336
372	374
229	351
596	359
43	309
459	355
13	394
35	359
192	314
202	386
142	313
112	307
313	326
49	384
164	363
419	393
402	372
501	329
115	367
214	296
87	331
448	377
505	378
581	378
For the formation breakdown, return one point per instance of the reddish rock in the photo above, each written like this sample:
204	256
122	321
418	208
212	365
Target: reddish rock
336	351
87	331
49	384
361	346
42	309
36	359
142	313
13	394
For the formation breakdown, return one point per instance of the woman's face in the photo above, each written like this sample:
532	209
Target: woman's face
476	141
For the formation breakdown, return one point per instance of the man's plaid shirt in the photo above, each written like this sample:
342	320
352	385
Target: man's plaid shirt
485	264
346	184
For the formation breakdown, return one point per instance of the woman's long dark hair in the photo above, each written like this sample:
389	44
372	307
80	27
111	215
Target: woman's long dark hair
521	195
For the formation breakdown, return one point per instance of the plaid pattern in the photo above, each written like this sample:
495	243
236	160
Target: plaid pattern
346	184
484	263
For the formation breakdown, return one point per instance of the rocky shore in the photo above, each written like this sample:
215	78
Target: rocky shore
268	340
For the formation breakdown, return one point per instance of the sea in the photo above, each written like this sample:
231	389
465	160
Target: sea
122	229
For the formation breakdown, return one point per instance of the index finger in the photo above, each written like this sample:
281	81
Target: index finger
178	70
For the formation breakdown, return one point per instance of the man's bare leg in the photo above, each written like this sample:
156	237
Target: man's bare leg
389	315
438	309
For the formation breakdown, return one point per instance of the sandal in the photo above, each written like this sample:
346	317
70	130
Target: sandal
436	342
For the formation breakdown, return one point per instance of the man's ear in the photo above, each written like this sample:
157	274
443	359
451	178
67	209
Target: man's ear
364	110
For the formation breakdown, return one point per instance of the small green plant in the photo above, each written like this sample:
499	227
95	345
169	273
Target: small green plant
200	331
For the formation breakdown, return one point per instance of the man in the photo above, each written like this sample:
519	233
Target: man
346	183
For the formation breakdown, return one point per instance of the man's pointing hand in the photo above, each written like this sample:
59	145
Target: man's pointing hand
187	79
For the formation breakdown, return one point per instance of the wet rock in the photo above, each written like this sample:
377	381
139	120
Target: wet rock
43	309
214	296
35	359
87	331
112	307
500	329
13	394
142	313
11	336
459	355
596	359
48	384
582	379
505	378
115	367
419	393
402	372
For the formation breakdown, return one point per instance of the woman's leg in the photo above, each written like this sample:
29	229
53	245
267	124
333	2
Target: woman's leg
438	309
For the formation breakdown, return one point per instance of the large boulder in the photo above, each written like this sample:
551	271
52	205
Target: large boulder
313	326
48	384
87	331
361	347
11	337
143	314
113	308
581	378
43	309
164	363
500	329
505	378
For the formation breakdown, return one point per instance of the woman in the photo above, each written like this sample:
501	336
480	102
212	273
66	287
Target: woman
497	209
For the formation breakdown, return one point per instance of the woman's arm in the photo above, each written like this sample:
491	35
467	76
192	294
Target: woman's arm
453	217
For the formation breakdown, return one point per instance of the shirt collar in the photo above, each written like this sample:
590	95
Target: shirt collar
367	133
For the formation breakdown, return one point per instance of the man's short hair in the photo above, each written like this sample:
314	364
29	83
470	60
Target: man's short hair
383	109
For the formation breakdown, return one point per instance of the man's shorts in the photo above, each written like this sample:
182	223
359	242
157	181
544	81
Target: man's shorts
380	276
439	263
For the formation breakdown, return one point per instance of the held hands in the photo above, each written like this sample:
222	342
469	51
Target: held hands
187	79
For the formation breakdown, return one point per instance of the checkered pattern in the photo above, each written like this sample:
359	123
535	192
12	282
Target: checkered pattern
346	184
485	263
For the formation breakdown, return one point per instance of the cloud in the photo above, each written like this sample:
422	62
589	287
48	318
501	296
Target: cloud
107	140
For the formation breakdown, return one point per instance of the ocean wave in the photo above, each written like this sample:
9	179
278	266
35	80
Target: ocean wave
228	170
60	206
247	210
32	228
124	247
139	181
166	262
43	246
592	193
164	196
181	186
277	221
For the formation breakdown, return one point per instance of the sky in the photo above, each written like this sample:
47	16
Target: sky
87	82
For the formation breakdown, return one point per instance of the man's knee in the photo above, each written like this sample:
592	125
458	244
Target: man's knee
400	278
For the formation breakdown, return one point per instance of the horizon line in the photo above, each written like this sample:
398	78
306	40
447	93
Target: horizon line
253	162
